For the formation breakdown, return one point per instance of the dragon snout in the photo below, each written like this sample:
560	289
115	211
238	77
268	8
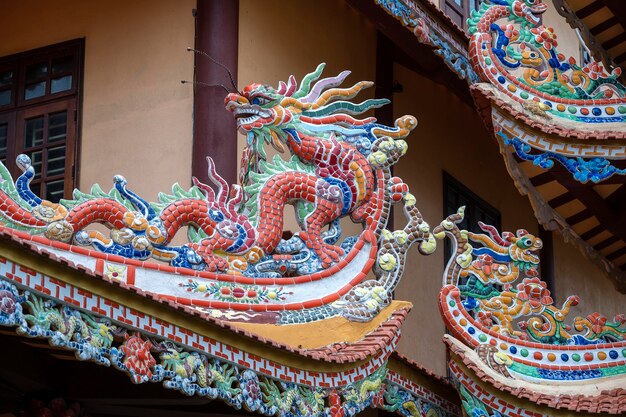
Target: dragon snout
233	101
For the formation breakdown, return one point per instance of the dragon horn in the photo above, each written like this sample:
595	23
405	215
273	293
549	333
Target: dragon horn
288	88
223	188
493	232
235	200
291	86
282	87
210	194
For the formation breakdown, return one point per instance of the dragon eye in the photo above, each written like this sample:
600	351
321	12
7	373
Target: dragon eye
259	101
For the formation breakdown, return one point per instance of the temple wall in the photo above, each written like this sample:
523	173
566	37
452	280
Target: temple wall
568	42
134	108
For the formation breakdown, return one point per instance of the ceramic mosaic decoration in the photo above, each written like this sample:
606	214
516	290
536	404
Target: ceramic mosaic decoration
513	51
415	16
338	166
236	273
152	350
501	316
518	57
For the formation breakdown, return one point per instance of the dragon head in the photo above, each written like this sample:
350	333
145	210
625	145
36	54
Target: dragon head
523	250
316	107
525	241
259	107
530	10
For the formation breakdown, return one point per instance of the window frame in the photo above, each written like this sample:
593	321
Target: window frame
19	109
70	139
9	119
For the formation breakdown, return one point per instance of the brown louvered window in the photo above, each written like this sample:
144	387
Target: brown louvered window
39	93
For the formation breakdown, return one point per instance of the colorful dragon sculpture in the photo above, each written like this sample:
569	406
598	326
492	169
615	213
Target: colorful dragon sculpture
339	166
510	49
494	301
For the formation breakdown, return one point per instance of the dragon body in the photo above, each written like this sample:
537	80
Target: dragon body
69	325
338	167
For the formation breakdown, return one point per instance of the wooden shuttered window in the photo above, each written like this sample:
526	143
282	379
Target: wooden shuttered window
39	109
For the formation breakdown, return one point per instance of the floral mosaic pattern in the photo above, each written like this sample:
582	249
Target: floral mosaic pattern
147	359
228	292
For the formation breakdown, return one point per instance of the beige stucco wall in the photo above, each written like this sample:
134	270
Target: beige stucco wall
568	42
135	109
575	275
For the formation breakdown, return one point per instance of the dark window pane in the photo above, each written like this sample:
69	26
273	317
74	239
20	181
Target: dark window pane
5	97
35	159
57	126
36	188
54	191
4	130
36	71
56	161
61	84
6	78
63	64
35	90
33	133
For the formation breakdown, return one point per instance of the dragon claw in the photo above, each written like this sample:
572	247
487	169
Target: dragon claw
215	263
328	254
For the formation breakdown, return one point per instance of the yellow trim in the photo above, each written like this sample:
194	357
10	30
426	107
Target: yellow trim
323	332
